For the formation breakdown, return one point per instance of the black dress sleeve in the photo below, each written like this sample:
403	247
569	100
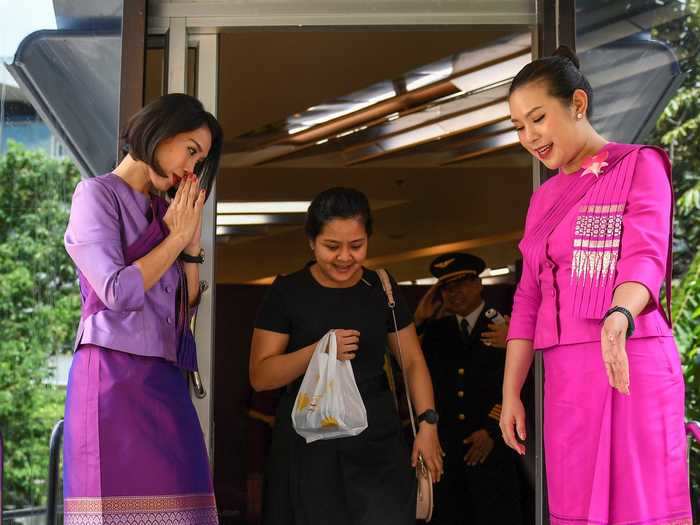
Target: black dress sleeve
273	314
404	317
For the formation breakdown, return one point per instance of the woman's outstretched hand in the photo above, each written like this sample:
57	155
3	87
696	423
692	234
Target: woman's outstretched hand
612	344
512	422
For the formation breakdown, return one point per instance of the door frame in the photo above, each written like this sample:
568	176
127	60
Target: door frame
198	24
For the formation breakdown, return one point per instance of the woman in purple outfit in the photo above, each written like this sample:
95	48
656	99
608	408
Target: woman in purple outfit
133	448
596	252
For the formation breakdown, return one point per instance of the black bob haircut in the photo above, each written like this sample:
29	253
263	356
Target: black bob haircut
561	73
337	203
166	117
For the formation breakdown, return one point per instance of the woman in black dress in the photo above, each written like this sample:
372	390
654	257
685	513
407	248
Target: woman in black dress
365	479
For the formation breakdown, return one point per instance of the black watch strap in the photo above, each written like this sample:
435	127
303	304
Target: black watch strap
624	311
198	259
429	416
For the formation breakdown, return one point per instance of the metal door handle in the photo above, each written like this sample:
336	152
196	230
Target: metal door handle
197	385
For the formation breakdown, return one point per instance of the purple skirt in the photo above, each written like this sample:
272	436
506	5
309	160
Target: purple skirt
613	459
134	452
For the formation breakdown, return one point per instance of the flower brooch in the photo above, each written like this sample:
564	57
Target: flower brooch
594	164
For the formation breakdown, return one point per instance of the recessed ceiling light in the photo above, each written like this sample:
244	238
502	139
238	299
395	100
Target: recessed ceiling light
495	272
223	208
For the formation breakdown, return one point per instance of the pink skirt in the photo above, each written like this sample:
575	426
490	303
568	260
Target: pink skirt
613	459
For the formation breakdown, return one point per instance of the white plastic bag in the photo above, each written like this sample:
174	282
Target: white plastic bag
328	404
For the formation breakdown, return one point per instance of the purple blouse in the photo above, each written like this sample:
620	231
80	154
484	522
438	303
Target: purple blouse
107	215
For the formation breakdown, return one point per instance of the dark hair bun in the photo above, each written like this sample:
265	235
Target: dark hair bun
566	52
562	73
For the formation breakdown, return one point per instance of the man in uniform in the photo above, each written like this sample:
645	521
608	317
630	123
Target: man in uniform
466	355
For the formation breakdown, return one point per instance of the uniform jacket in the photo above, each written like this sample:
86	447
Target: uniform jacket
107	216
467	376
586	233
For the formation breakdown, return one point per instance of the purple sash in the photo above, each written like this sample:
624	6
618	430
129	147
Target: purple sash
601	201
149	239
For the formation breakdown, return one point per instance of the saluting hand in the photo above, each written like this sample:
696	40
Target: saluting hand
428	306
612	344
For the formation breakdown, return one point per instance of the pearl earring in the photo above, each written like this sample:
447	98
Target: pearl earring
579	116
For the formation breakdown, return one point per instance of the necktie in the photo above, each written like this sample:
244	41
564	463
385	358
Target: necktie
464	327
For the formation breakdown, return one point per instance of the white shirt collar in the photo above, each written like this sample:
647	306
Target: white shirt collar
473	317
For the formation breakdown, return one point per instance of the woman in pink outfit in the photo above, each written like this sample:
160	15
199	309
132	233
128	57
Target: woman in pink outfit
596	252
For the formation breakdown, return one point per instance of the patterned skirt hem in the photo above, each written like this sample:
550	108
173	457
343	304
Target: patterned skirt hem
191	509
684	519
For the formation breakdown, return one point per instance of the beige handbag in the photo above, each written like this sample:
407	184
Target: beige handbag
424	494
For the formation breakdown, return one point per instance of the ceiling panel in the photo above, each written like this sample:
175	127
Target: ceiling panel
267	76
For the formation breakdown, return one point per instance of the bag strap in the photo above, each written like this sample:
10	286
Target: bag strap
386	284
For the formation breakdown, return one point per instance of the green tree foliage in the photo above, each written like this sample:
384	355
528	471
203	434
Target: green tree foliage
686	318
678	130
39	309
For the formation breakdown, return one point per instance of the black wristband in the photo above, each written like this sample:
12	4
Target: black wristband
429	416
197	259
627	314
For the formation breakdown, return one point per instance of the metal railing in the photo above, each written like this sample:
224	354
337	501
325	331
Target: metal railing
54	463
21	515
51	510
692	428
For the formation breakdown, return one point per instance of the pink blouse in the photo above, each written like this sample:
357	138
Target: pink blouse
611	235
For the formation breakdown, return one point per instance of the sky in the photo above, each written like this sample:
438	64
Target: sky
18	18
